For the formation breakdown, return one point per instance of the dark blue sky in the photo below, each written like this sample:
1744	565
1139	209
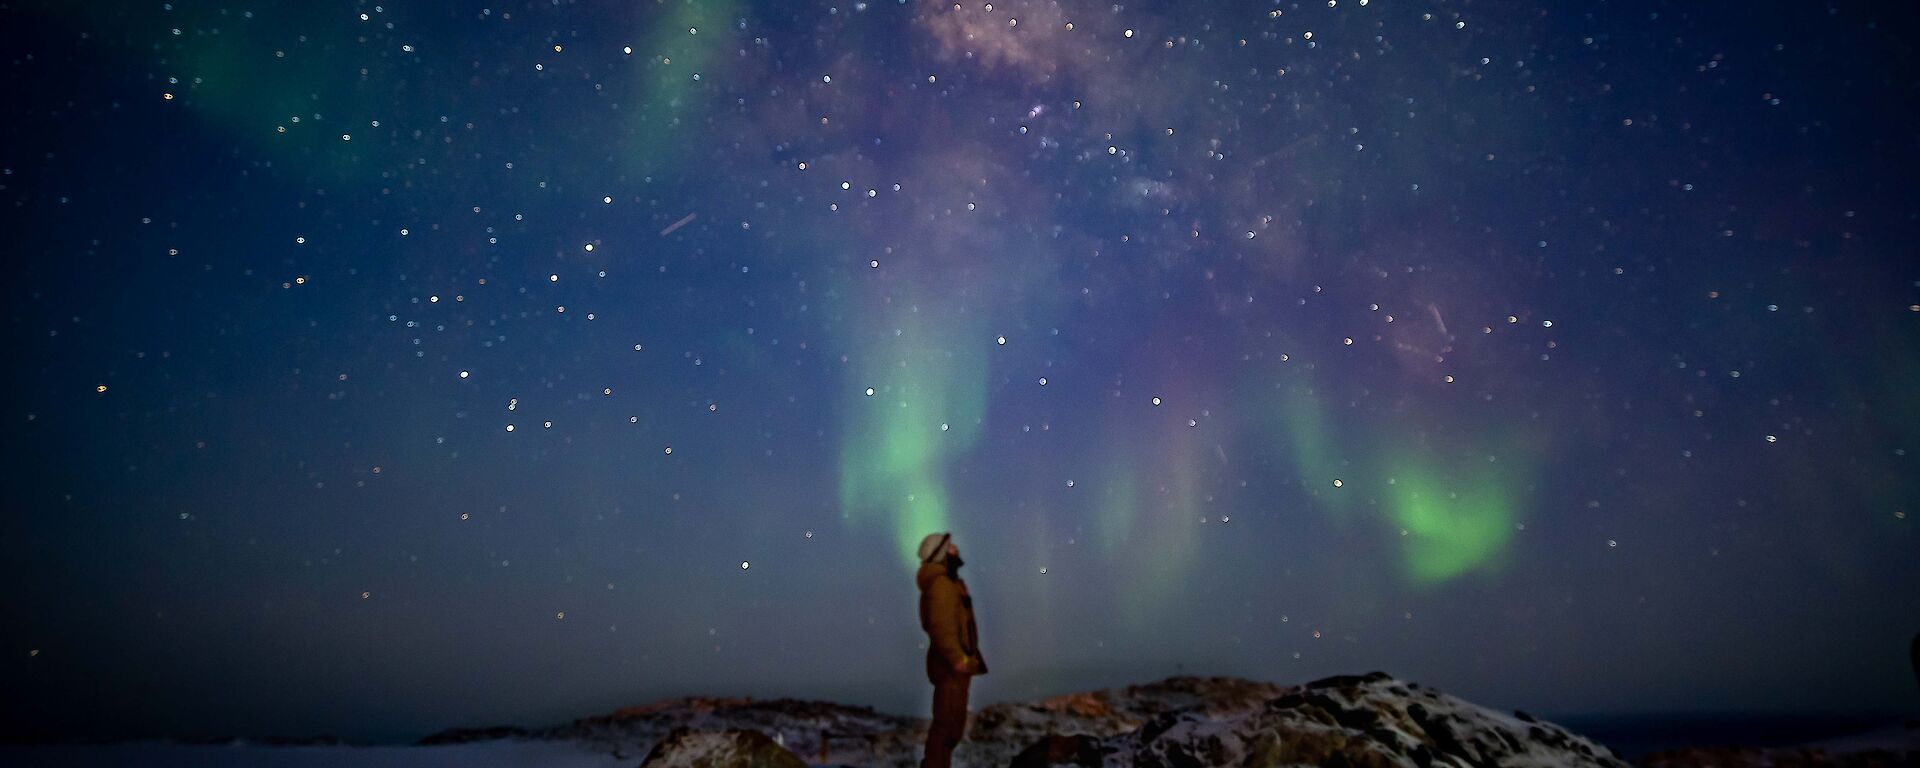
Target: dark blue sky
380	368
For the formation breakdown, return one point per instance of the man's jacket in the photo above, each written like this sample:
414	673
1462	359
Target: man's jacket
946	613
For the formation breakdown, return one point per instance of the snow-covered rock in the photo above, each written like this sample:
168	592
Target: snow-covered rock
1351	721
1373	720
996	734
720	749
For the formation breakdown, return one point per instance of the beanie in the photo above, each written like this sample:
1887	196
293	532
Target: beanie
933	548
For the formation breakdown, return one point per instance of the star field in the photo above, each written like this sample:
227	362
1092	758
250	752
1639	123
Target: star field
385	367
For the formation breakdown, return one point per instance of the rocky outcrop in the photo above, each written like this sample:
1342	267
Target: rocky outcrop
1373	721
1003	732
1184	722
683	748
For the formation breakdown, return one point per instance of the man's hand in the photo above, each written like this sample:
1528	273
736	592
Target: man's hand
964	667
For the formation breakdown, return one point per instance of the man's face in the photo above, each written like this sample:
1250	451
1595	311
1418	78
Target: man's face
953	550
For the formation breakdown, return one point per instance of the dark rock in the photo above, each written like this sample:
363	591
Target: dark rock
1159	725
302	741
466	735
1075	750
1349	681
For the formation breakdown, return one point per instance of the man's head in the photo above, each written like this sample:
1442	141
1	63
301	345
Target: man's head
939	548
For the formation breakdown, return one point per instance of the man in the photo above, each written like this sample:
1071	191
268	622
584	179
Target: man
953	644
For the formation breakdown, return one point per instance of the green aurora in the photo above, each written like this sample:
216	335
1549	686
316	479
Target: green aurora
928	384
1453	509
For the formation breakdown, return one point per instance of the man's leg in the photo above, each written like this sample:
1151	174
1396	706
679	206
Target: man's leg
949	721
937	753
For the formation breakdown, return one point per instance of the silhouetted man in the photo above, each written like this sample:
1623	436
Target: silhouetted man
953	644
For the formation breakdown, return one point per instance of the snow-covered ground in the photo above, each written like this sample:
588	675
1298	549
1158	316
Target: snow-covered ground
1373	720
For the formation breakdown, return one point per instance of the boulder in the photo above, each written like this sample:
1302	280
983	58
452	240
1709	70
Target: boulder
684	748
1076	750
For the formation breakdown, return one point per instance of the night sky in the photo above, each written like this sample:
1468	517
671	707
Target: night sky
381	368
